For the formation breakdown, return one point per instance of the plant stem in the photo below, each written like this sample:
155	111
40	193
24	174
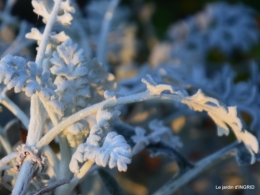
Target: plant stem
7	159
37	120
104	32
52	186
144	96
37	112
201	166
24	177
10	105
68	188
47	32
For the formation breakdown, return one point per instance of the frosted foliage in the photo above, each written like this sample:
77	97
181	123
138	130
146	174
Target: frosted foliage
154	88
41	8
80	82
72	82
158	132
99	130
115	152
78	79
220	25
35	34
224	117
102	146
16	73
77	132
237	30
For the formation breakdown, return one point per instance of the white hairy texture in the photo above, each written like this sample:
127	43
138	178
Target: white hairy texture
159	132
64	18
115	152
80	82
16	73
224	117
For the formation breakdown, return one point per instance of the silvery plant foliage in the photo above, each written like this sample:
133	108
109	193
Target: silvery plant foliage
76	103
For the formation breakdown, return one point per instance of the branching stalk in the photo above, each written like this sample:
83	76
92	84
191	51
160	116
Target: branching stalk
144	96
37	111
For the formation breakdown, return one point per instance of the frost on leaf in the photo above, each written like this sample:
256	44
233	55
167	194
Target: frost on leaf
224	117
158	132
16	73
70	68
80	82
77	132
102	146
35	34
42	8
99	130
157	89
71	71
114	152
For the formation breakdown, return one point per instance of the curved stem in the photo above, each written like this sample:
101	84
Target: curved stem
201	166
10	105
144	96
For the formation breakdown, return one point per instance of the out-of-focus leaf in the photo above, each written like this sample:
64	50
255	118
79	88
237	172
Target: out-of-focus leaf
110	183
162	148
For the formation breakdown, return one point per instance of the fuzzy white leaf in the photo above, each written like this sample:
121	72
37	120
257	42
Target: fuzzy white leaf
27	77
65	18
223	117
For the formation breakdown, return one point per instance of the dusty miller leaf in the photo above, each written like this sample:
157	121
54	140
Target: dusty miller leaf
223	117
42	8
16	73
115	152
